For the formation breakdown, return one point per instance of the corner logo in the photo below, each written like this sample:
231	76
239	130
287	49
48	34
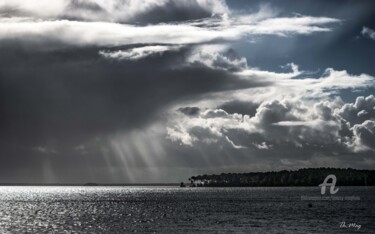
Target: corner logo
331	184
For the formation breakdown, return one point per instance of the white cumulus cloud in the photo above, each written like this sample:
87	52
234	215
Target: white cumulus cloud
137	53
368	32
276	124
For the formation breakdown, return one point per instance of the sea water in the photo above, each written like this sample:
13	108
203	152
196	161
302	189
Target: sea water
101	209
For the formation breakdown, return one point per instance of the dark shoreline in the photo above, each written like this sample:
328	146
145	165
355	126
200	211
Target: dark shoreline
90	184
171	185
295	178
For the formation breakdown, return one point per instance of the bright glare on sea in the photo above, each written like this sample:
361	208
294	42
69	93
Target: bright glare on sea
77	209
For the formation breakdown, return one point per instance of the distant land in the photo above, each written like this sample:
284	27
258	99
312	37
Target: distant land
89	184
301	177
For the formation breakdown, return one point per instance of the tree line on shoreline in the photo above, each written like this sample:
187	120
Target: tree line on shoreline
301	177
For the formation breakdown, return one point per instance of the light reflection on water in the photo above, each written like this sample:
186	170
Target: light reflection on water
172	209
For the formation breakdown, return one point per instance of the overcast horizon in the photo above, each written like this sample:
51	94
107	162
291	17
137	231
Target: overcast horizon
126	91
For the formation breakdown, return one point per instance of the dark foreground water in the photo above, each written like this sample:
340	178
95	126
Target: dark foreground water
183	210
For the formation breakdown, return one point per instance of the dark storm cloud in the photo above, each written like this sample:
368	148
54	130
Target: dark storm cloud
58	90
64	98
122	11
190	110
173	11
240	107
81	9
87	89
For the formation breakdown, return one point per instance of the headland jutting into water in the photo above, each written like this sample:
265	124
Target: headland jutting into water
301	177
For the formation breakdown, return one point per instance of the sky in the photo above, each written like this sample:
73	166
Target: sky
156	91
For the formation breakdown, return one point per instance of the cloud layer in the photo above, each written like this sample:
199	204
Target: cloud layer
296	112
35	26
150	91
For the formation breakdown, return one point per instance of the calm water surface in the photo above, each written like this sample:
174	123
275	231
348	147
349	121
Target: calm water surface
182	210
